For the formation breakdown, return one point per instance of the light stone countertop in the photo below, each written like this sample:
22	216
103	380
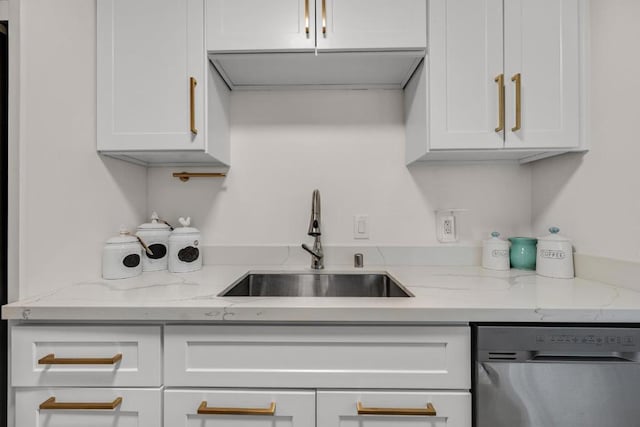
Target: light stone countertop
442	295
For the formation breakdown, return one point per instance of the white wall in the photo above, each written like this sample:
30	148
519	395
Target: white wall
70	198
595	198
350	145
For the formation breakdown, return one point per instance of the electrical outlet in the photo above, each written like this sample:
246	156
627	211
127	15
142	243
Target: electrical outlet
447	229
361	227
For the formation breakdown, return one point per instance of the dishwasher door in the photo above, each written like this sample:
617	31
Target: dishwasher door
558	378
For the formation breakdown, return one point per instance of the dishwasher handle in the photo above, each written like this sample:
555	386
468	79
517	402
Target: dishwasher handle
613	356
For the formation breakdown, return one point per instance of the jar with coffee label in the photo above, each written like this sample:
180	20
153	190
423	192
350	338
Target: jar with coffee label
184	248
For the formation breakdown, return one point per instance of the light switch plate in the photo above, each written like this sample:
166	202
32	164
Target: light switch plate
361	227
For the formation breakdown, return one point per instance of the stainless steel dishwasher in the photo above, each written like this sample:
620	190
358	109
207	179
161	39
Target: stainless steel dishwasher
557	377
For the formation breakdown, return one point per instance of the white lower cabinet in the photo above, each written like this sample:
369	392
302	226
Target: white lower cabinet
83	407
362	408
246	408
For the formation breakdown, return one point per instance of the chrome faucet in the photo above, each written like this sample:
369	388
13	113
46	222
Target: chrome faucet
317	256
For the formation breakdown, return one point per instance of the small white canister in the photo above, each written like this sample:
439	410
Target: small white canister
121	257
156	235
184	251
554	257
495	253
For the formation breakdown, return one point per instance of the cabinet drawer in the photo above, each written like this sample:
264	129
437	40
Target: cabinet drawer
340	408
291	408
86	355
137	408
318	356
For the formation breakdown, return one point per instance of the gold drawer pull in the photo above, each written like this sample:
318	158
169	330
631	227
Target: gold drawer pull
51	403
428	411
203	409
517	79
500	81
306	17
51	359
192	105
324	18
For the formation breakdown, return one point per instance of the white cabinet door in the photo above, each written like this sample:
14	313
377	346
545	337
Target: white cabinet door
542	44
291	408
137	408
340	408
371	24
465	57
241	25
147	52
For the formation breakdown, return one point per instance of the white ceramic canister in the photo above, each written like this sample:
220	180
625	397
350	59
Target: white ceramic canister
554	257
122	257
495	253
184	251
156	235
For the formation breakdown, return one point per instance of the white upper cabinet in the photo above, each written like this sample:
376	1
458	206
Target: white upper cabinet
258	25
371	24
542	47
466	56
152	81
502	81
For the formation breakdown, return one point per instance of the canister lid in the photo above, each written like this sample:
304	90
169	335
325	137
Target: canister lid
185	229
155	224
554	236
496	240
124	237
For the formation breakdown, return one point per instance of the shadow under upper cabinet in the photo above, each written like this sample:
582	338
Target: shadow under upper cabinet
374	285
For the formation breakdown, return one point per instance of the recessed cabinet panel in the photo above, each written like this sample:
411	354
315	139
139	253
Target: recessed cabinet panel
321	356
147	53
252	25
85	356
276	408
371	24
542	46
340	408
466	56
136	408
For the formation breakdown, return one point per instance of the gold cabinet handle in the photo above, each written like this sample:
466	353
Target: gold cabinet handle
51	403
306	17
192	104
203	409
500	81
51	359
517	78
429	411
324	18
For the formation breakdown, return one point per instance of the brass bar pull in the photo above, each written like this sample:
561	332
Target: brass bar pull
203	409
306	17
324	18
500	81
51	403
51	359
192	104
429	411
517	78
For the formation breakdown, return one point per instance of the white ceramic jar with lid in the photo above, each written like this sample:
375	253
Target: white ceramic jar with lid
184	251
156	235
495	253
554	257
121	256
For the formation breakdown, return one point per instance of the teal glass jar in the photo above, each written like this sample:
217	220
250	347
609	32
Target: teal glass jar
523	253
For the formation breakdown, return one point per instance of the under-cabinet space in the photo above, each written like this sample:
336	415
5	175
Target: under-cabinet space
246	408
86	356
367	408
409	357
95	407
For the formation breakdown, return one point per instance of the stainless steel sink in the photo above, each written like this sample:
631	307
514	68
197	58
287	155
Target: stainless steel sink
376	285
